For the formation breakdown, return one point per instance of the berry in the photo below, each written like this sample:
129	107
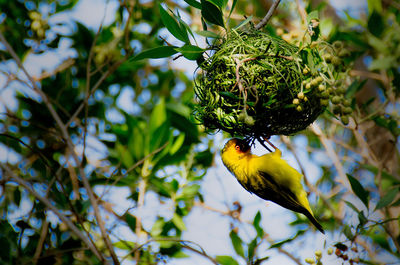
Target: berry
345	119
321	88
336	100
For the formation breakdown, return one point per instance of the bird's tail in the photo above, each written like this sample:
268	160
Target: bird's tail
314	221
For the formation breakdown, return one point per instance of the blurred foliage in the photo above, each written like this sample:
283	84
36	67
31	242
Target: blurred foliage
123	122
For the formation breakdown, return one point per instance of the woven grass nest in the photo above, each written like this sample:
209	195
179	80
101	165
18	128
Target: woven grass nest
249	87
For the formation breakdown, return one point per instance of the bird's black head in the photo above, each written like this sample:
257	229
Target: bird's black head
237	144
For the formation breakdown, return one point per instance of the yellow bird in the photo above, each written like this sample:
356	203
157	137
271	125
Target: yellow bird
268	176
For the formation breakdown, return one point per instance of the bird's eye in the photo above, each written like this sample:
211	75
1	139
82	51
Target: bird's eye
237	147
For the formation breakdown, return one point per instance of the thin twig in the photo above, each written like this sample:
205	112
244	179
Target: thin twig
49	205
239	218
39	247
88	78
68	140
140	203
201	252
302	12
94	88
138	163
332	154
268	16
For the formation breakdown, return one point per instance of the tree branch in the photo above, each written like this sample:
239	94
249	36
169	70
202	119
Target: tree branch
49	205
268	16
67	138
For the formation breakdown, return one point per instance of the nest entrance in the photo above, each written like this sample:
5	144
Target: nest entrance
247	88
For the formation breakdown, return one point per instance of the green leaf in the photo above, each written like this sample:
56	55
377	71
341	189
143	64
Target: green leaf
281	243
387	122
155	53
157	228
352	206
212	13
158	116
228	94
358	189
355	87
387	199
208	34
220	3
251	248
376	24
125	245
396	203
17	196
383	63
136	143
237	243
177	144
226	260
5	249
158	137
362	219
312	15
172	25
374	5
347	232
256	224
232	7
244	22
191	52
180	255
193	3
189	192
178	222
131	221
124	154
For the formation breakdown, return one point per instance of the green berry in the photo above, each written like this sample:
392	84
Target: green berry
314	82
305	71
328	57
249	121
345	119
336	100
325	95
305	99
299	108
300	95
319	79
310	260
344	53
321	88
318	254
296	101
330	251
338	45
346	102
347	110
336	61
324	102
308	86
337	110
341	90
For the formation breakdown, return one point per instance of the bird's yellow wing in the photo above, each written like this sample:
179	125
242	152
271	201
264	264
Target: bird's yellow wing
284	197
